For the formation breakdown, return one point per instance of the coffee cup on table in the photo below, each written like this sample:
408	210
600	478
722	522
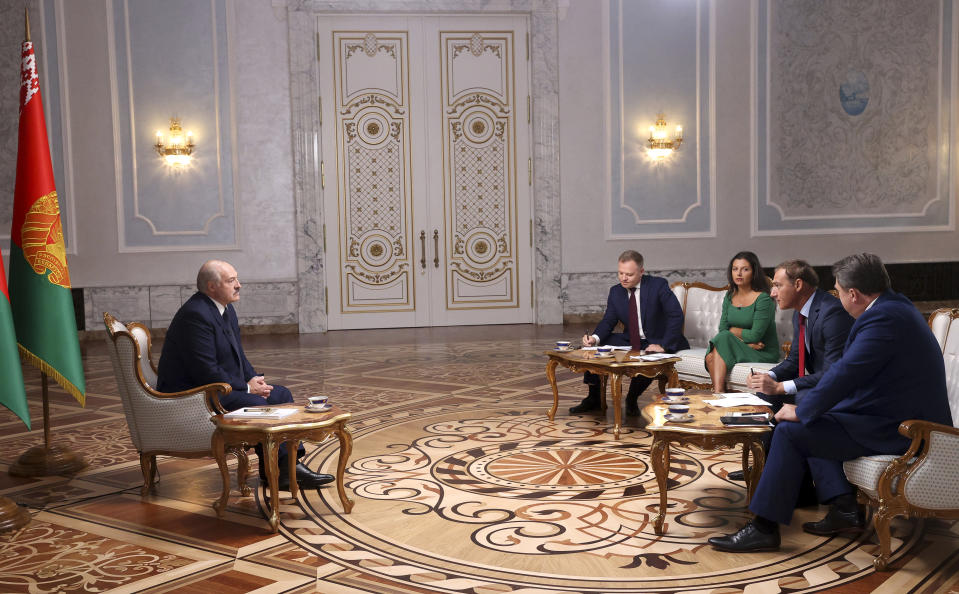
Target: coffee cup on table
679	409
318	401
562	345
675	392
604	350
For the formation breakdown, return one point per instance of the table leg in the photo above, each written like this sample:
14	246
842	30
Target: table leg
291	469
603	381
659	452
551	376
242	470
617	403
346	447
219	452
673	381
271	451
759	460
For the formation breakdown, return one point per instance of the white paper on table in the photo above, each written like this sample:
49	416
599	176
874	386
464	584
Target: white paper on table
737	399
652	357
614	348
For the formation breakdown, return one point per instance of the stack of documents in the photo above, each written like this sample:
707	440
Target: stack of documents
652	357
731	399
260	412
614	348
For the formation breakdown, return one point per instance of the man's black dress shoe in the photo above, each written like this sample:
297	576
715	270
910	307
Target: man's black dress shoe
738	475
586	405
305	478
836	522
748	540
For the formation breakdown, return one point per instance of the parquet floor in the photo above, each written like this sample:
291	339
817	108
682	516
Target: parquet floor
461	484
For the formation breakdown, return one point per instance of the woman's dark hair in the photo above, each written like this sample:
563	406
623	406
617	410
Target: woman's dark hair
759	282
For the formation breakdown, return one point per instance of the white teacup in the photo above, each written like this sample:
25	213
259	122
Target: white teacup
675	392
562	344
604	350
318	401
679	409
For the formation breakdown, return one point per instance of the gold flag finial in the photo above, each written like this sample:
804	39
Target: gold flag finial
26	16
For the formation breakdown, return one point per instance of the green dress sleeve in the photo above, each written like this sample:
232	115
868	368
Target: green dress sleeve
723	321
763	316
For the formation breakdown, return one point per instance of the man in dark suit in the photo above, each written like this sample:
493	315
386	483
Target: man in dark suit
891	370
652	317
202	346
820	326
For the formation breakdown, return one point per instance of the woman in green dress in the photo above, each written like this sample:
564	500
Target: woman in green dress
747	328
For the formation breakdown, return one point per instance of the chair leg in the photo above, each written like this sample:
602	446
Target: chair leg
880	521
148	466
242	471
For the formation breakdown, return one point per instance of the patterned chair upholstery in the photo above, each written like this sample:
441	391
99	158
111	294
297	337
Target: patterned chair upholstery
169	424
923	482
702	307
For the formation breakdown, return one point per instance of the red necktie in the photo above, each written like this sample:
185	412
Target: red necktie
802	345
635	340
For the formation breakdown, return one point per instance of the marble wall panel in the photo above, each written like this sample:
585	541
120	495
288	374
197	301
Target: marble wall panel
174	59
855	117
660	63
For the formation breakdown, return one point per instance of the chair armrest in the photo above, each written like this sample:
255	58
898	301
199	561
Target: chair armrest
213	393
899	469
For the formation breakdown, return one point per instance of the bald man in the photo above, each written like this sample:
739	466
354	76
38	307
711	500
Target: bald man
202	346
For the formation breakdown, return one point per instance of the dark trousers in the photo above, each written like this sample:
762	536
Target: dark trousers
823	445
279	395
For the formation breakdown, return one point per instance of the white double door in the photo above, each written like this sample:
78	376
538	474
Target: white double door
425	156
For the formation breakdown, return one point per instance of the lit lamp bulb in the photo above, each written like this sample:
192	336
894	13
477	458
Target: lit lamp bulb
659	145
178	150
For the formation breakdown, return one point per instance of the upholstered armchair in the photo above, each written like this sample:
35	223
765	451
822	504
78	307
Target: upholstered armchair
923	482
169	424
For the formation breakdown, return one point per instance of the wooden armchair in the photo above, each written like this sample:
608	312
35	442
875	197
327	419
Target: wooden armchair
923	482
169	424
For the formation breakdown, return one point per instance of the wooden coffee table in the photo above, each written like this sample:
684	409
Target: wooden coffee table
706	432
609	367
270	433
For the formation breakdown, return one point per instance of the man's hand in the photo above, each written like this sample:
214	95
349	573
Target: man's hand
787	413
655	348
756	346
588	340
762	382
257	385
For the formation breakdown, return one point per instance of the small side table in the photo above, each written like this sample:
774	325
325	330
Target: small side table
582	361
270	433
707	432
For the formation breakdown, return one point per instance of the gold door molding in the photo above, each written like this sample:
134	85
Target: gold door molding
375	208
479	168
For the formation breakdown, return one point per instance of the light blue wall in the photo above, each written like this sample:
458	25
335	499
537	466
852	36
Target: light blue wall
659	63
173	59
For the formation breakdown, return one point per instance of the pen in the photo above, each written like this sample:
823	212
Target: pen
751	372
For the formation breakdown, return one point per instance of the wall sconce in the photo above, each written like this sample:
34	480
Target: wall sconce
659	145
178	147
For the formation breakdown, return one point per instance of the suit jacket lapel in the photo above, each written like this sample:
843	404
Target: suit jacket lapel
227	328
645	303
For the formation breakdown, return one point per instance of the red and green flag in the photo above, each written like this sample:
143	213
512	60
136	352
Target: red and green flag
12	394
40	296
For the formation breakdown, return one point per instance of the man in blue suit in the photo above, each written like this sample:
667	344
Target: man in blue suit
652	317
202	346
891	370
825	328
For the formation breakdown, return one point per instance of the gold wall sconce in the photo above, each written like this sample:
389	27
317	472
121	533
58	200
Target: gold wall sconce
177	148
660	145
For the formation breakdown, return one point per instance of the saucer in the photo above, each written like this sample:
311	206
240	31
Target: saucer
599	355
675	399
318	409
564	349
681	418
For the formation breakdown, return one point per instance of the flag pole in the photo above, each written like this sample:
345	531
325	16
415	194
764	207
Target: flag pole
47	459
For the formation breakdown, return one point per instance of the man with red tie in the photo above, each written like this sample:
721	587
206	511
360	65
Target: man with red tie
820	325
820	329
652	317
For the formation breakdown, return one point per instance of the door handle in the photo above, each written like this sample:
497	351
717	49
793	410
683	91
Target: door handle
436	248
423	249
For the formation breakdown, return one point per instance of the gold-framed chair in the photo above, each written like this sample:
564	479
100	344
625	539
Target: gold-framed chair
923	482
168	424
